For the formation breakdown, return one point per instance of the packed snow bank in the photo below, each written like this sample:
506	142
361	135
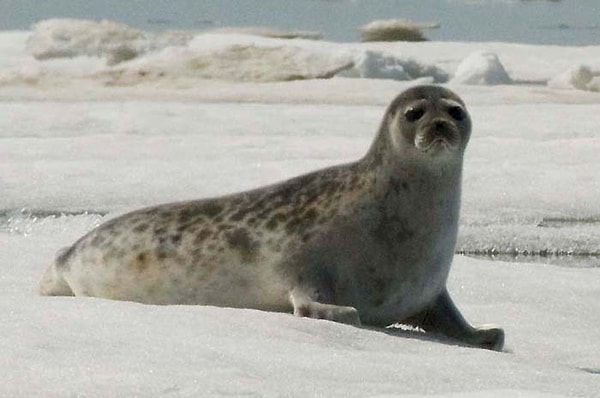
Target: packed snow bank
481	69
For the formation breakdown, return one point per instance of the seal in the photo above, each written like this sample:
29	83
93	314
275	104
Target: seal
366	242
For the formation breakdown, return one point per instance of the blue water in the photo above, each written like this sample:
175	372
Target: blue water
566	22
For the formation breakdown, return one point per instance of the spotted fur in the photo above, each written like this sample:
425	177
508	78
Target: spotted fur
368	241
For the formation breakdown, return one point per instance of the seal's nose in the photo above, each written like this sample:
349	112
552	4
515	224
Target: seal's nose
440	126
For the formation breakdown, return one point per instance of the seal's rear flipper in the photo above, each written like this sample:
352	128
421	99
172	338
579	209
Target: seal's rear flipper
304	306
443	317
52	282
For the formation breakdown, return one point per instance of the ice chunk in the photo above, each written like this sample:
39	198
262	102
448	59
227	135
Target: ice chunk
579	77
594	84
60	38
373	64
481	68
234	58
57	38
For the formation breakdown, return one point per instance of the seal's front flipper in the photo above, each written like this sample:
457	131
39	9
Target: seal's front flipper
304	306
443	317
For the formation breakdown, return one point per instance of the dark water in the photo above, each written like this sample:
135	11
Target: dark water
563	22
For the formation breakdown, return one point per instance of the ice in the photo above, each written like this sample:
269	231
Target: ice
233	57
372	64
580	77
76	151
57	38
93	347
481	69
269	32
109	53
117	42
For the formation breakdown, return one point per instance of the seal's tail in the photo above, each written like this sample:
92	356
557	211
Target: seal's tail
52	282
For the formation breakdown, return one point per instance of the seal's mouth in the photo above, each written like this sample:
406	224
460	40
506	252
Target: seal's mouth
438	135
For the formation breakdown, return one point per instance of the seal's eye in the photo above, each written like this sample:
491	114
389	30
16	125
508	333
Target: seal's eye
413	114
457	113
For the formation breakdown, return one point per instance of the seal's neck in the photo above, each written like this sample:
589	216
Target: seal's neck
419	177
410	180
441	172
376	155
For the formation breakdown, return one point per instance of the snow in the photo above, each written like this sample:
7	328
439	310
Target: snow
270	32
579	77
71	143
372	64
234	57
127	56
93	347
58	38
481	69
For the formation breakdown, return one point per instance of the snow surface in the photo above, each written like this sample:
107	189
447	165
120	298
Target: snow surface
71	143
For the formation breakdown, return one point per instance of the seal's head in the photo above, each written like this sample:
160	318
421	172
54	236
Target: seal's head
430	120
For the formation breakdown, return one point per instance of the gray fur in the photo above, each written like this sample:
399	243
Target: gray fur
370	241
